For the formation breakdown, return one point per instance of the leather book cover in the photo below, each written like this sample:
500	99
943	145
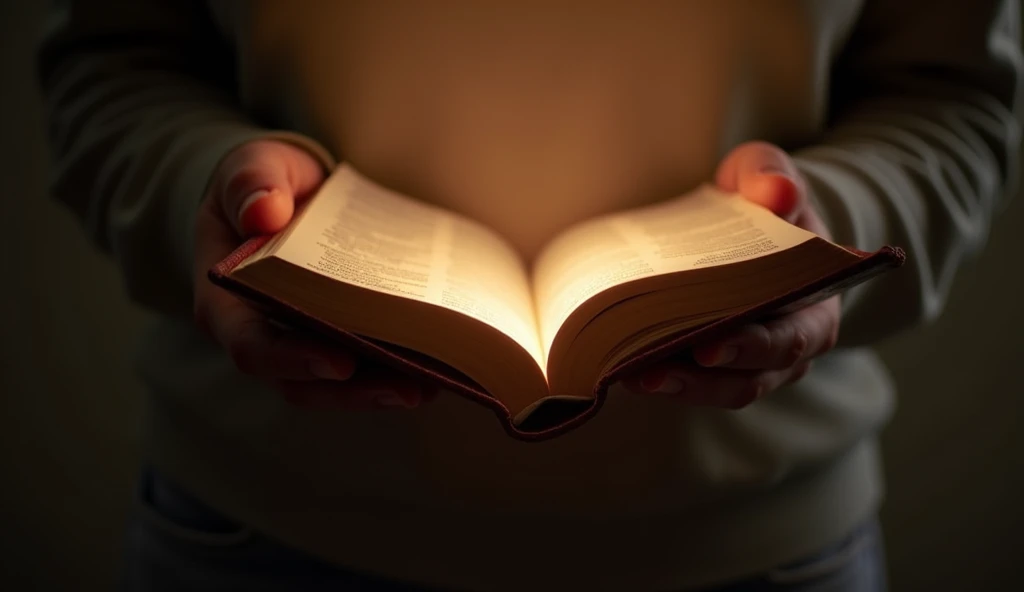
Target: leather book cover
553	417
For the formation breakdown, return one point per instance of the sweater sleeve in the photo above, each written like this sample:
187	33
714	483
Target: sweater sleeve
141	109
921	150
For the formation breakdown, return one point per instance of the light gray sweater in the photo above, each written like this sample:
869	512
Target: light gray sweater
528	116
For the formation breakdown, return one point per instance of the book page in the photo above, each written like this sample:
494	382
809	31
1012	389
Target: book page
701	229
358	232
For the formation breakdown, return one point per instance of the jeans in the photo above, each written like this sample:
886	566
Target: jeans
176	543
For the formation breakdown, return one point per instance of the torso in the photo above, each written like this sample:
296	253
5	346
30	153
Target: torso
529	116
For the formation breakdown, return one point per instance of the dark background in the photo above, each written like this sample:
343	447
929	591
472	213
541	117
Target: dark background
70	405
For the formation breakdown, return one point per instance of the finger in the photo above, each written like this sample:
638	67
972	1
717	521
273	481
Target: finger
255	346
799	371
364	392
776	344
260	183
764	174
727	389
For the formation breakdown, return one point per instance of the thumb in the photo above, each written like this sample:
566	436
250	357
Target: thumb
764	174
260	182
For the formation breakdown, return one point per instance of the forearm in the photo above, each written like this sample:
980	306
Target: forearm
922	156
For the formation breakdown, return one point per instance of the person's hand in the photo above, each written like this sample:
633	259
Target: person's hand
738	369
254	191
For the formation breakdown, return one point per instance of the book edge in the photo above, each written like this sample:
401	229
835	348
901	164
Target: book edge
870	265
423	366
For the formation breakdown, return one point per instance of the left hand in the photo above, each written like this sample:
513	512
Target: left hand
737	369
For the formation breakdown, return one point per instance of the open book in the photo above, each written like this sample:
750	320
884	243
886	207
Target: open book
436	294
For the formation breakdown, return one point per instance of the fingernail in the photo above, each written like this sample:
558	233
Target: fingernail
726	354
327	371
253	197
770	169
666	384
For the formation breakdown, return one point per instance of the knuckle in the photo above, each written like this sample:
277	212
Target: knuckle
828	322
798	347
831	340
253	150
760	337
238	159
243	181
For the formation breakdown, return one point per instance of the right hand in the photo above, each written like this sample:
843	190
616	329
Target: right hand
254	191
